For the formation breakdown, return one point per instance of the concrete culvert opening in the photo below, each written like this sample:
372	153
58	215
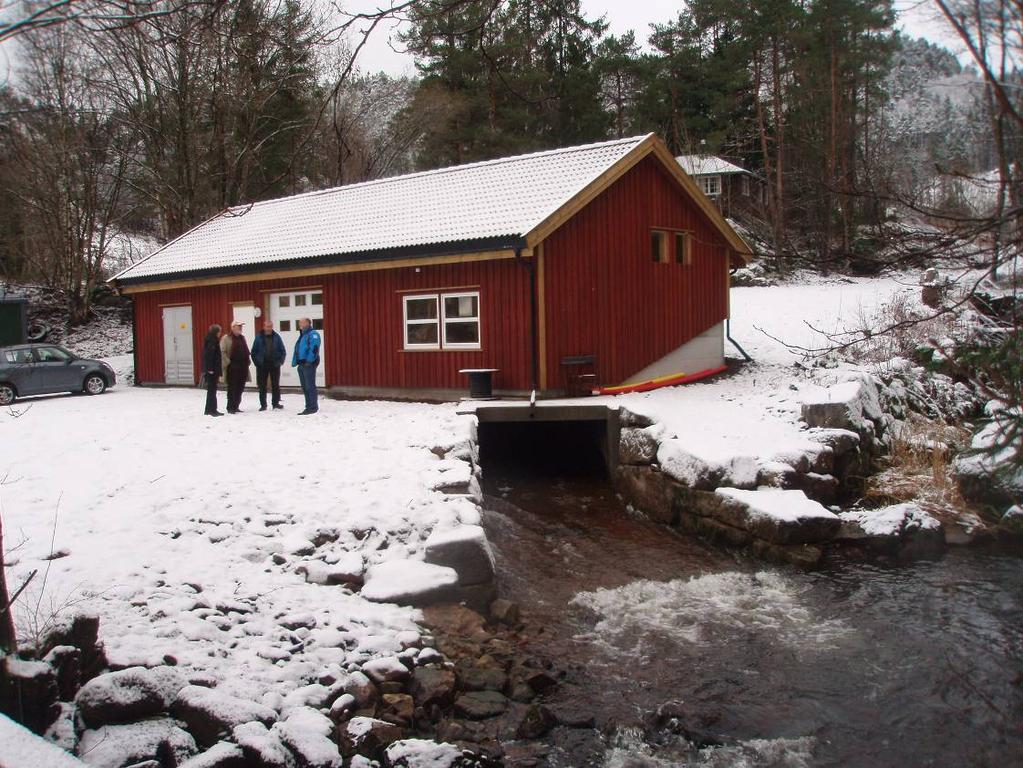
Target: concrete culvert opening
533	448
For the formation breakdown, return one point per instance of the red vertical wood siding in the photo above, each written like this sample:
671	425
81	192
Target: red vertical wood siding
363	331
605	295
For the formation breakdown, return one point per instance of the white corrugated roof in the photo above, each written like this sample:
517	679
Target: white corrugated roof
504	198
702	165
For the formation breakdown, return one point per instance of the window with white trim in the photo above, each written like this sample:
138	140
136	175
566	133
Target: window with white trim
442	320
710	185
422	322
461	320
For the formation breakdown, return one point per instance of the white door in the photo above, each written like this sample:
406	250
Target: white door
177	346
286	309
246	315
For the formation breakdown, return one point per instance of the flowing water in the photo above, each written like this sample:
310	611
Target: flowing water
860	664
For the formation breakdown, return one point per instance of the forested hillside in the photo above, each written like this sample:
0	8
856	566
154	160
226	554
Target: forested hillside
149	120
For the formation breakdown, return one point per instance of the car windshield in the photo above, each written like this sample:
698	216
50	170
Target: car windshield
53	355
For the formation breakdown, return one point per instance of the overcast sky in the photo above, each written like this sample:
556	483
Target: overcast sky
916	17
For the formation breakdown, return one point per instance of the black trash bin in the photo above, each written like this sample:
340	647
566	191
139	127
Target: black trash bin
481	382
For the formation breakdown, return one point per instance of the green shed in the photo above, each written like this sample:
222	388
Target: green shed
13	320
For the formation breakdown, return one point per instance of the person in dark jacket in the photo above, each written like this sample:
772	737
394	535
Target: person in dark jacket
306	358
269	354
237	359
211	368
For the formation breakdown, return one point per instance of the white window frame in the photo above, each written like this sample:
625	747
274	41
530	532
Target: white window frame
444	320
435	321
746	187
705	184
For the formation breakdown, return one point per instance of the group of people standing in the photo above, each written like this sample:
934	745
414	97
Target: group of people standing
227	356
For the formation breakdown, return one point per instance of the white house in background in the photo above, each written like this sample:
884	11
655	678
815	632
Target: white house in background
731	186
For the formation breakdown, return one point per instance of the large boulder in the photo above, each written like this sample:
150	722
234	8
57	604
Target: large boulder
116	746
479	705
368	737
410	582
431	686
306	733
852	405
261	746
777	516
128	695
211	715
465	549
420	753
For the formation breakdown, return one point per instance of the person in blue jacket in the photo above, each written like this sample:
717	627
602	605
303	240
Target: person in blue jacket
269	354
306	358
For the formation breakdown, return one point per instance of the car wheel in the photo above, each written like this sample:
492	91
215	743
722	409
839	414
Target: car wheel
95	384
7	394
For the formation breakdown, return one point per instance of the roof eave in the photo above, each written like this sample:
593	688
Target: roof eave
363	258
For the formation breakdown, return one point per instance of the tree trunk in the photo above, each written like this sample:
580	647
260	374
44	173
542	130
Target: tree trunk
8	641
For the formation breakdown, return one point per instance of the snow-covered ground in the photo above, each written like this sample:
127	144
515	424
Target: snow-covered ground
166	523
754	414
197	538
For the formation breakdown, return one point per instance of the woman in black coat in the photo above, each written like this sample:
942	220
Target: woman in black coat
211	368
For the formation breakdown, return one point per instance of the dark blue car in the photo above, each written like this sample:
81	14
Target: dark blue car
43	369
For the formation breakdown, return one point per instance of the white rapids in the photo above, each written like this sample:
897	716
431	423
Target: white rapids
706	609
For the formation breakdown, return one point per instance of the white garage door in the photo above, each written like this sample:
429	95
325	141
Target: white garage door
286	309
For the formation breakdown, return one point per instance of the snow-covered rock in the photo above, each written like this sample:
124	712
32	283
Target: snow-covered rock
698	466
368	737
387	669
778	516
210	714
128	695
116	746
223	754
307	733
422	753
851	405
409	582
261	746
893	521
465	549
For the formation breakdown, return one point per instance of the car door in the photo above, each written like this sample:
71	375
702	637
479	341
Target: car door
56	371
18	369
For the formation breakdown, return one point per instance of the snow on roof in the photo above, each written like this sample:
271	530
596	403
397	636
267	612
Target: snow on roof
703	165
479	202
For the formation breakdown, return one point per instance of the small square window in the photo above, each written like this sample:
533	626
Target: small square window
299	299
659	246
285	326
316	299
283	301
317	323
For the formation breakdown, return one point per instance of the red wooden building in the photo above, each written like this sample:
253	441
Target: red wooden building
606	255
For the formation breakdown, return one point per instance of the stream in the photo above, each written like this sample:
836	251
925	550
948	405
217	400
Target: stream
859	664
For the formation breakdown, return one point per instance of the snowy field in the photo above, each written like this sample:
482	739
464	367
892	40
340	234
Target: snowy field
166	523
191	536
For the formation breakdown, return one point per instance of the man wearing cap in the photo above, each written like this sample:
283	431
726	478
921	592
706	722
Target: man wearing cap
234	354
